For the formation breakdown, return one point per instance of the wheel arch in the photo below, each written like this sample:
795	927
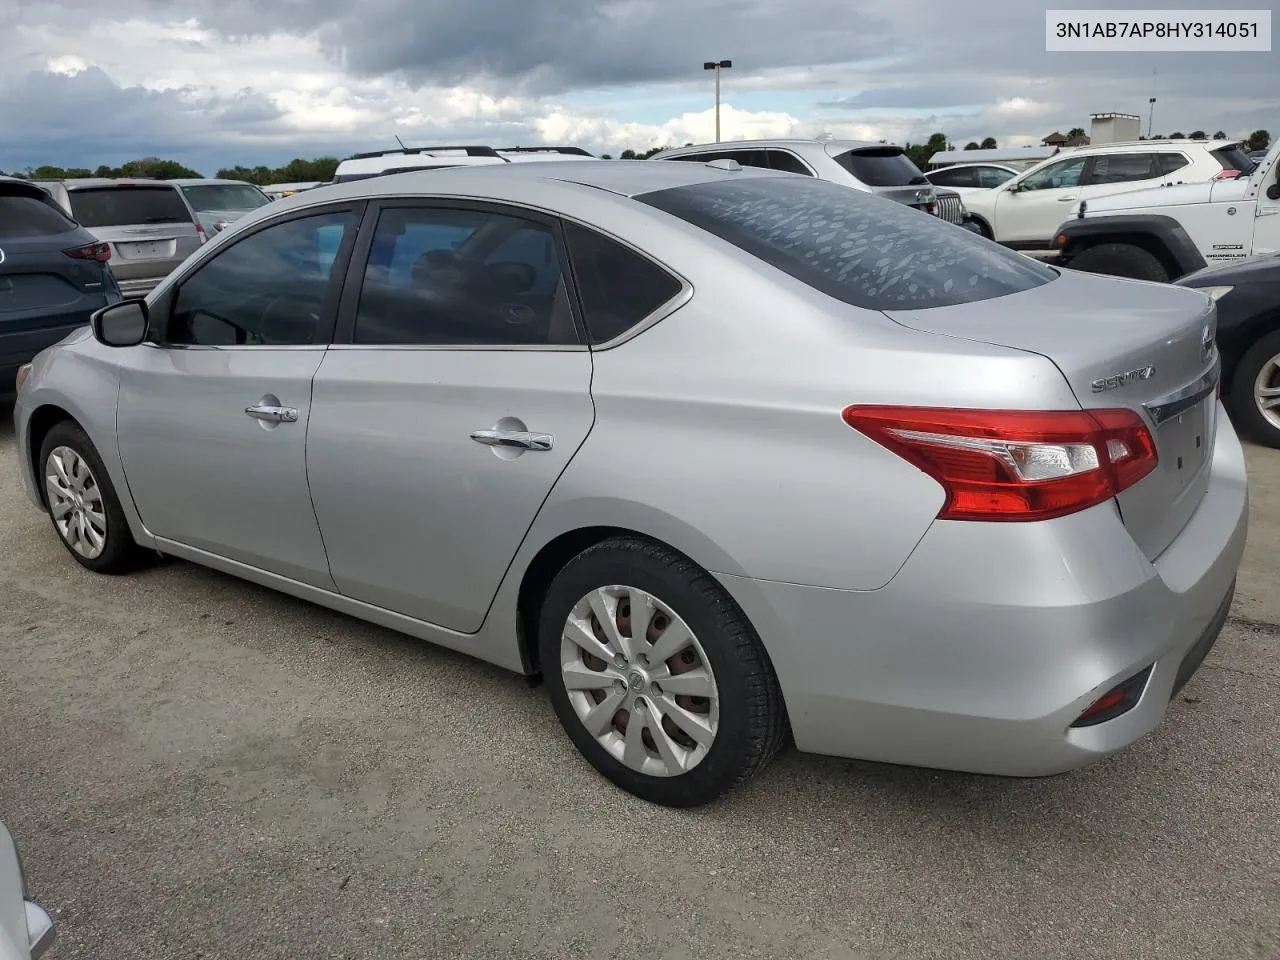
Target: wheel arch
1161	236
42	420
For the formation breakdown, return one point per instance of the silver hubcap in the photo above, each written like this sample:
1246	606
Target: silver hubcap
639	681
75	502
1266	391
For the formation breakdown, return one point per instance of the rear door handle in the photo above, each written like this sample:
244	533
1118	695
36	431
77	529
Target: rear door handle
521	439
272	413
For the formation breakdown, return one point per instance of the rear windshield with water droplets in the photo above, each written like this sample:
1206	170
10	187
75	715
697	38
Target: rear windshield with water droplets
853	246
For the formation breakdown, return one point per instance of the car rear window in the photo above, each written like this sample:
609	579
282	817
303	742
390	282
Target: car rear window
881	167
118	206
224	196
858	248
22	216
1233	158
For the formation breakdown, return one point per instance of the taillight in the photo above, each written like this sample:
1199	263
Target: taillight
1015	464
90	251
1227	175
204	237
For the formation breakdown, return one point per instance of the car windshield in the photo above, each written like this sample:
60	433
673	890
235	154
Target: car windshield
853	246
117	206
881	167
224	196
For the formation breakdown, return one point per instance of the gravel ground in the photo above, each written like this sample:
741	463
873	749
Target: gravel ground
198	768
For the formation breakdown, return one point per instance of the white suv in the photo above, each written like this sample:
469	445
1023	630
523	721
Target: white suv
1024	212
880	168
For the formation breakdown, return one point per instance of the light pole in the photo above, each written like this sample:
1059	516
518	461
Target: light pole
717	66
1151	116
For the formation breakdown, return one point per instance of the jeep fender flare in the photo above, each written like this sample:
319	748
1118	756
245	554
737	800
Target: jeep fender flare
1160	235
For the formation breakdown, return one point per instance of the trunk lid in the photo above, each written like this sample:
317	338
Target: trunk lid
1118	343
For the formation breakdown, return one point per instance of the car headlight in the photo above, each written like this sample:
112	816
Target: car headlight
1217	293
20	380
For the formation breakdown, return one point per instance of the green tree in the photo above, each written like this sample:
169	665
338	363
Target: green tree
1076	132
989	143
156	169
1220	135
1197	135
971	145
627	154
919	153
1258	140
1177	135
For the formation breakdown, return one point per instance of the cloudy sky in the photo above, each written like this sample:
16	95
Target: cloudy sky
218	82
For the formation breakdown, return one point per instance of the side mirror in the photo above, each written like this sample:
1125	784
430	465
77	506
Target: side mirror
122	324
221	225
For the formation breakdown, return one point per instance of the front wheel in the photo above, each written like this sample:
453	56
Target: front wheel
1120	260
656	676
82	503
1254	400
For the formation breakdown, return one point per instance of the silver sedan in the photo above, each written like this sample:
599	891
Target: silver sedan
726	456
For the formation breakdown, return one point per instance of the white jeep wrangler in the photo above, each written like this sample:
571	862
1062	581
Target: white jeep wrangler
1166	232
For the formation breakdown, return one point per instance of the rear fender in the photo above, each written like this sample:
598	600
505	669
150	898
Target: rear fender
1162	236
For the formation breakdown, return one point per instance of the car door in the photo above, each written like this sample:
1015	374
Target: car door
458	392
1112	173
212	418
1031	207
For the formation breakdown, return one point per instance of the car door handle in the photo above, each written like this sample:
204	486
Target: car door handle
513	438
272	414
1067	199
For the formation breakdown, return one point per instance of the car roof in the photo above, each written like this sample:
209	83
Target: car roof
977	163
200	181
1130	145
84	183
627	178
793	143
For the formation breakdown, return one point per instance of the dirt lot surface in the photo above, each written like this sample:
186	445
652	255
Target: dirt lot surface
197	768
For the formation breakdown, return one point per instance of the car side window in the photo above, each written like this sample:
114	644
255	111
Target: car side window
1123	168
439	276
989	177
1169	162
1064	173
618	287
786	162
954	178
268	289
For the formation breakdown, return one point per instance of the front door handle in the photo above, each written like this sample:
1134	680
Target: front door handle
1067	199
521	439
272	413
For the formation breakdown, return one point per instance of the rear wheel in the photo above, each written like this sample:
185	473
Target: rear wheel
656	676
978	226
82	503
1120	260
1255	391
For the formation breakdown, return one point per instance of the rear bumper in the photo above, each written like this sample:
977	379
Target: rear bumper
994	638
21	346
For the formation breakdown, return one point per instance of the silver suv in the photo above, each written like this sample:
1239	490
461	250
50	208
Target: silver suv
218	203
880	168
147	223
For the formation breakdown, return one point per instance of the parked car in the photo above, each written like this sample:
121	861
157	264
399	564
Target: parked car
380	163
53	275
26	932
278	191
1024	212
217	203
883	169
1164	234
521	412
535	154
147	224
968	177
1248	296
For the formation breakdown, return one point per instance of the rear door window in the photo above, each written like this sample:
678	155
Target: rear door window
1123	168
881	167
118	206
1169	162
22	216
965	177
989	177
850	245
618	287
787	162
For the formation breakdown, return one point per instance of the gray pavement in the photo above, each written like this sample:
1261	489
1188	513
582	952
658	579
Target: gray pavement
199	768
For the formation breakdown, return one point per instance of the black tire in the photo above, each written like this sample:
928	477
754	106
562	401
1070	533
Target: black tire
120	554
1246	416
983	229
752	718
1120	260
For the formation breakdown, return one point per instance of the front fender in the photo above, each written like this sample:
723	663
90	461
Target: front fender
1074	235
75	380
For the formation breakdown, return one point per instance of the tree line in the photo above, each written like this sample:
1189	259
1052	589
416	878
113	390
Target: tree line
322	169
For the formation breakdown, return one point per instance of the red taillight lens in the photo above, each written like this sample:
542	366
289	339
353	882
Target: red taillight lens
1015	464
1227	175
204	237
91	251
